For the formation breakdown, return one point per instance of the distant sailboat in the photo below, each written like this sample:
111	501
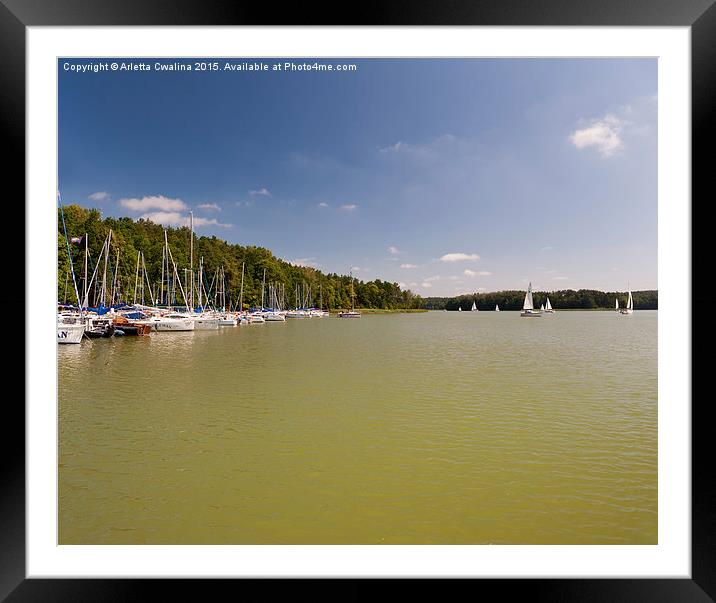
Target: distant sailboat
497	308
528	308
474	308
630	305
616	304
548	309
459	308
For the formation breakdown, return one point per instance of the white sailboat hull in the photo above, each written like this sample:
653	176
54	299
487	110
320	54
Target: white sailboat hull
349	315
531	313
173	324
206	324
70	333
274	317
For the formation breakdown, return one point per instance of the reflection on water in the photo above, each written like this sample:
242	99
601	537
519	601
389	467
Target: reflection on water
436	428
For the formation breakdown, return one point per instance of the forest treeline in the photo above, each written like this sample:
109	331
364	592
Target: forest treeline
565	299
130	237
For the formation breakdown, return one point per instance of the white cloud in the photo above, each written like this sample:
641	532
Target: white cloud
426	285
209	206
428	149
175	218
359	269
604	134
392	148
459	257
349	207
560	278
393	250
432	278
263	191
467	272
323	204
160	202
99	196
306	262
408	266
547	248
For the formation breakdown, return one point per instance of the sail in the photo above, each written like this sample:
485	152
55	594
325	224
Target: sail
497	308
474	307
528	305
542	307
630	302
548	306
616	303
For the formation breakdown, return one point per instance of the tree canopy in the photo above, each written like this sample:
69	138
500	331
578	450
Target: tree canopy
130	237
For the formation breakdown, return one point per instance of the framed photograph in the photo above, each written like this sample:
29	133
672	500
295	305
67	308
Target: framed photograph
226	188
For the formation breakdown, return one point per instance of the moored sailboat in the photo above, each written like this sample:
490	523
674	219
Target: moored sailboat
352	313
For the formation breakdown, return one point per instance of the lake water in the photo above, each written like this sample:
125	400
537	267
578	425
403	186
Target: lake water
433	428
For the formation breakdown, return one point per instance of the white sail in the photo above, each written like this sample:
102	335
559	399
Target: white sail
459	309
528	304
497	308
616	302
630	302
474	307
548	306
542	307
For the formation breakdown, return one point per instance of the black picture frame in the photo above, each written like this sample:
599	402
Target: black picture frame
699	15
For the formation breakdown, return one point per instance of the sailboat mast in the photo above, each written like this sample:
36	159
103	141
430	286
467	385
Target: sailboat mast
263	287
136	279
352	293
241	291
84	297
191	258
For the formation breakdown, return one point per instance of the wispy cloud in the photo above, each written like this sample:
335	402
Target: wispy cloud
306	262
99	196
209	206
560	278
175	218
467	272
459	257
426	284
424	150
159	202
604	134
547	248
262	192
393	250
323	204
348	207
408	266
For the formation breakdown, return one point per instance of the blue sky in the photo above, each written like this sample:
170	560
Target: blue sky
447	176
